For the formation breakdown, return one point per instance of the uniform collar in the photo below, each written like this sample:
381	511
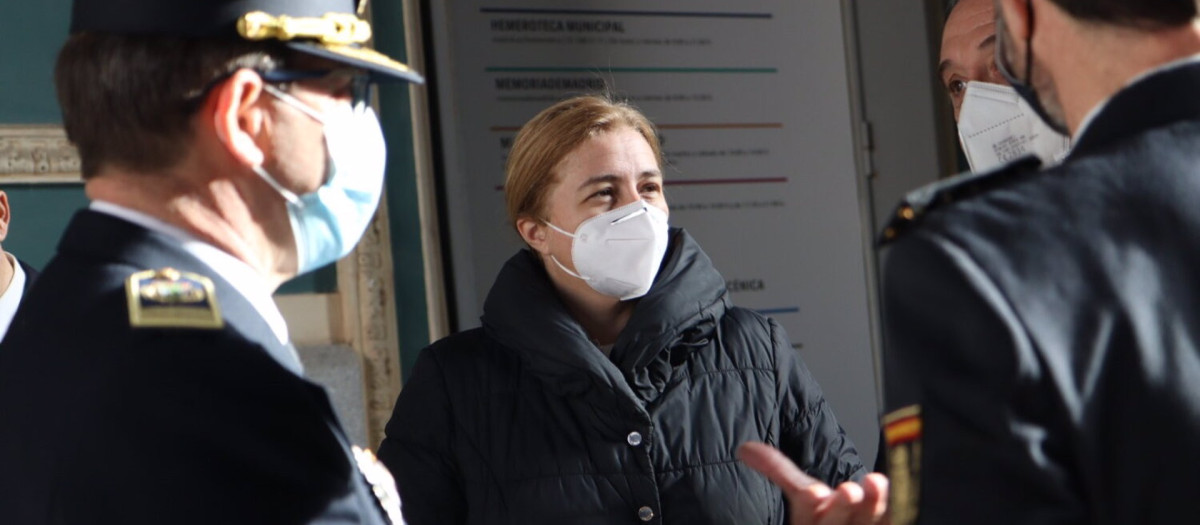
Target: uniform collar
1156	98
245	280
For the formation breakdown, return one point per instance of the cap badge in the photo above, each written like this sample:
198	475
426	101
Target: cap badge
333	28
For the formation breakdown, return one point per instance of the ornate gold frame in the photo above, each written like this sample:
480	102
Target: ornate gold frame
34	153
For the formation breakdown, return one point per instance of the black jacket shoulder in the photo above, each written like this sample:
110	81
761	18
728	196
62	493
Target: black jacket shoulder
912	210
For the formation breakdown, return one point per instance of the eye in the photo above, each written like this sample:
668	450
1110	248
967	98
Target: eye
605	193
956	88
651	187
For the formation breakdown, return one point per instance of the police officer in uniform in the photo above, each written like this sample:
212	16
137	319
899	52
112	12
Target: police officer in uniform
226	147
1042	326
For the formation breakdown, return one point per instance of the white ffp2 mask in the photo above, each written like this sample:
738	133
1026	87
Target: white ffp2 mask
996	126
618	252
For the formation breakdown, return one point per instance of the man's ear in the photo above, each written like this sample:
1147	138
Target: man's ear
533	232
239	117
1016	18
5	216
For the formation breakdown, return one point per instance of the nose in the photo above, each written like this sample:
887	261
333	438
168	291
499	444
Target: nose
627	193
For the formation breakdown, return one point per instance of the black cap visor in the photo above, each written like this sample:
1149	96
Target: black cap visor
382	67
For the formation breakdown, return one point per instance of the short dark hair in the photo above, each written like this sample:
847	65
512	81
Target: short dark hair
127	100
1144	14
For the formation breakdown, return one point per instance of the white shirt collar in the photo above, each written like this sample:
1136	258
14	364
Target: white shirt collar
242	276
1095	112
12	296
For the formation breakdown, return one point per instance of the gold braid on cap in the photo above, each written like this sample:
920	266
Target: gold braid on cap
333	28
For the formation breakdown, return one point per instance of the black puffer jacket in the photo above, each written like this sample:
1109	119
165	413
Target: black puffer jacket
526	421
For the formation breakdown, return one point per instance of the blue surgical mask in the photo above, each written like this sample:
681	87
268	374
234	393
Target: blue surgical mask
330	221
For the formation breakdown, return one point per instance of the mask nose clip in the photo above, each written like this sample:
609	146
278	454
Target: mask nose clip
639	212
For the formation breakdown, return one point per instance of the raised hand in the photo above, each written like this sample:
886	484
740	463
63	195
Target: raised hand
811	502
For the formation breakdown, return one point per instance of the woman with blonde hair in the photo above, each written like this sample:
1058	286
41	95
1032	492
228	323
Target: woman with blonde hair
612	380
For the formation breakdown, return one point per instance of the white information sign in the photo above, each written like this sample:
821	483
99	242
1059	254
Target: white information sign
752	102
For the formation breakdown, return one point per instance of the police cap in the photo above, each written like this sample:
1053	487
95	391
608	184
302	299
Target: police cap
330	29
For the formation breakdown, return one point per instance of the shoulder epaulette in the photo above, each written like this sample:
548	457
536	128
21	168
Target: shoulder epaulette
169	298
920	202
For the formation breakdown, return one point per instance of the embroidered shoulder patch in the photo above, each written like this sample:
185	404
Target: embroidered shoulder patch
902	431
169	298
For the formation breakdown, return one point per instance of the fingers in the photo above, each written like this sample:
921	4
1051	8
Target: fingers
845	506
777	467
863	503
812	502
805	495
875	487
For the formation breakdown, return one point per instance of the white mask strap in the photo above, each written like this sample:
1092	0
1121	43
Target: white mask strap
284	192
291	100
560	230
262	173
300	106
564	268
555	259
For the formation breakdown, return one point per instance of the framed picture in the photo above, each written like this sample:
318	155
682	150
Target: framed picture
32	154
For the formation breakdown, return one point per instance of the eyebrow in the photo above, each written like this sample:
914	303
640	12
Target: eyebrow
598	179
945	64
609	177
943	67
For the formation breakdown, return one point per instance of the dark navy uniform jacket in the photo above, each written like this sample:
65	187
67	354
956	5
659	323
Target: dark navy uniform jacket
102	422
1043	329
31	276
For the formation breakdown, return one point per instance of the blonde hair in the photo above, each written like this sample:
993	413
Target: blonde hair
553	134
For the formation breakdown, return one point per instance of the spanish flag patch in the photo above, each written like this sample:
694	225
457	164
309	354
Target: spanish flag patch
902	431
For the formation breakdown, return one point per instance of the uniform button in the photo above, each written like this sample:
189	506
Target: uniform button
645	513
634	439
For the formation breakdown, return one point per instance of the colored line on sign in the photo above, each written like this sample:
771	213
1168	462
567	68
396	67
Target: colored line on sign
727	125
606	12
731	125
701	182
774	311
722	70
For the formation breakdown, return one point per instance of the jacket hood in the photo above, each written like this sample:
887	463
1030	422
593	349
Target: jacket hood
525	314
